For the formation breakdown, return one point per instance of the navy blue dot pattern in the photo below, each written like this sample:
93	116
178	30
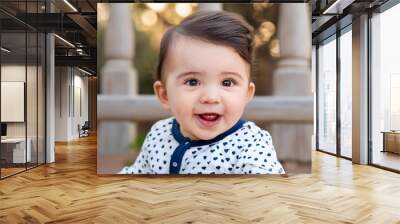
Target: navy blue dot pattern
248	150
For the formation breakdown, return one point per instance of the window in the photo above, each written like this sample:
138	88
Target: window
385	89
22	77
346	93
327	96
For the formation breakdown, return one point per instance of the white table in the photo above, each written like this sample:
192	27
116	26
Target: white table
19	149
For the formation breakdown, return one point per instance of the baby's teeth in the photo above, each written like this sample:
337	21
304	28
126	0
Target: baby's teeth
210	116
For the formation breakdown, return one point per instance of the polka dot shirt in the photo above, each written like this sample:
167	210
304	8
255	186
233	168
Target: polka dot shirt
243	149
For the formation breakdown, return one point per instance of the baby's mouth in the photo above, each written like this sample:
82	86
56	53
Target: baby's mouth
209	119
209	116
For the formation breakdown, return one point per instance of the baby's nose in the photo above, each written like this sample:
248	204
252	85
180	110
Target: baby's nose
210	96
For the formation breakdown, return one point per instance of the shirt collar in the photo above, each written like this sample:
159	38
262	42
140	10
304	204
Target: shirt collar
176	132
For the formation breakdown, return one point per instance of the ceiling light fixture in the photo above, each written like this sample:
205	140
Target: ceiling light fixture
86	72
70	5
337	7
5	49
64	40
333	6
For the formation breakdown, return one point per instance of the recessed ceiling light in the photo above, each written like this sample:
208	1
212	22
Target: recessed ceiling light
84	71
337	7
64	40
5	50
70	5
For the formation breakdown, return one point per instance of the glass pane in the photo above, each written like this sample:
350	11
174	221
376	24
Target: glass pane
314	78
386	89
346	94
327	97
22	67
13	87
41	98
31	97
31	85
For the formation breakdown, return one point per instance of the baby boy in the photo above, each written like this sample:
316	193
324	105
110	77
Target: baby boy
203	78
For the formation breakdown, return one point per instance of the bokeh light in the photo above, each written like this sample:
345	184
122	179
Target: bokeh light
149	18
103	14
158	7
266	30
170	16
183	9
257	40
261	6
274	49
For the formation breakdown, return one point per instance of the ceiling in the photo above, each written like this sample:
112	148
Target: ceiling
328	16
74	22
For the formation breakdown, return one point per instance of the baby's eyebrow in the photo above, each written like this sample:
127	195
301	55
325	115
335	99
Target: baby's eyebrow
182	75
232	73
187	73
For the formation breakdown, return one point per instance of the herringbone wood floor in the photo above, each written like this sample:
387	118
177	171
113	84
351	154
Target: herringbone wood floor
69	191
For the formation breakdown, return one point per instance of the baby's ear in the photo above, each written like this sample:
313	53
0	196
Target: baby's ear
250	92
161	92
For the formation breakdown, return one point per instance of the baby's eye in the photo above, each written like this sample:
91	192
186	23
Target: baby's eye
228	82
192	82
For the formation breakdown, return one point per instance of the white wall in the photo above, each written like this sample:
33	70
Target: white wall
33	126
12	101
80	89
62	82
14	73
71	88
17	73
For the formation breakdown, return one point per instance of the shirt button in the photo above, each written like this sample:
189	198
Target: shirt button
174	164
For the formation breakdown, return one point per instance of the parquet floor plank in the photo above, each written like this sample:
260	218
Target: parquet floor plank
70	191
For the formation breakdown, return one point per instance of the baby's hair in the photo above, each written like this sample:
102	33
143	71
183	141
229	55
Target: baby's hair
218	27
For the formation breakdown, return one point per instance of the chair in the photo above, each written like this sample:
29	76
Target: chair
84	130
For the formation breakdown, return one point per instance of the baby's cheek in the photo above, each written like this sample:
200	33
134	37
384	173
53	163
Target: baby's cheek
183	113
235	106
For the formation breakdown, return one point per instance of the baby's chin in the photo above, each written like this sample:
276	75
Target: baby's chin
196	135
207	135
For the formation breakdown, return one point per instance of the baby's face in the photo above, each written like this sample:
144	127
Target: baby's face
206	87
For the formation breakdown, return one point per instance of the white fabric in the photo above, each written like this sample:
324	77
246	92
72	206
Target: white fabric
249	150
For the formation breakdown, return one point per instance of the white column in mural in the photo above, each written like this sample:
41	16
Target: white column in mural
293	78
295	51
118	77
210	6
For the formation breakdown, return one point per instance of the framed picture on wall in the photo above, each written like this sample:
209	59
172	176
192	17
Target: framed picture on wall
12	101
